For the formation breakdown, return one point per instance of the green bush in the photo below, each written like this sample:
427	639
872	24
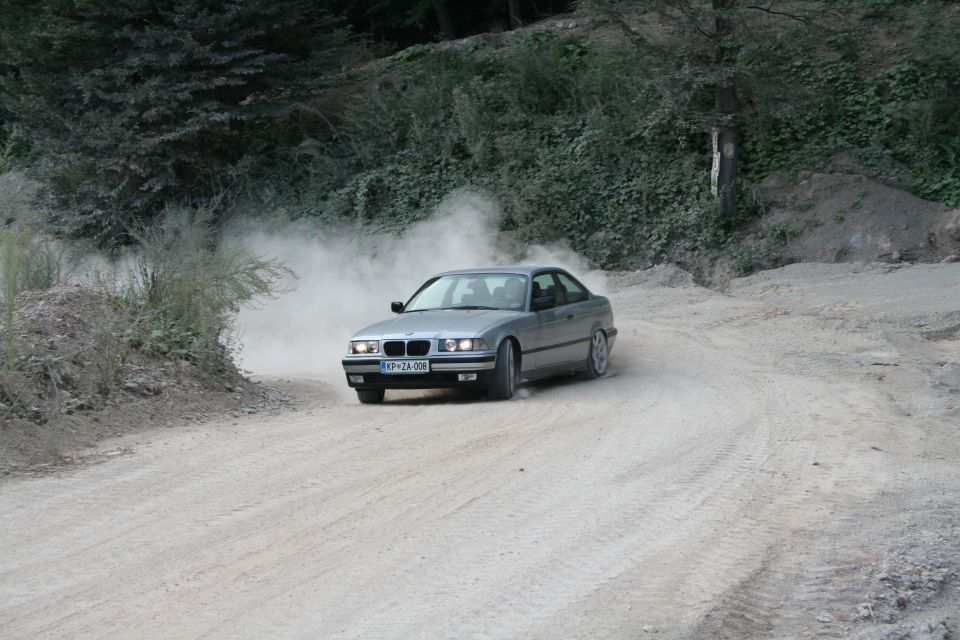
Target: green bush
184	287
563	134
900	115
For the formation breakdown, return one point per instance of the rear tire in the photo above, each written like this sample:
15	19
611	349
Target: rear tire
506	374
370	396
599	356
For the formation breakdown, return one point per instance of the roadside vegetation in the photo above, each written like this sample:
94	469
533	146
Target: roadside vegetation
594	129
168	303
148	123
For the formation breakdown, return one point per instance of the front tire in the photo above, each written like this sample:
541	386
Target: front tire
370	396
506	374
599	357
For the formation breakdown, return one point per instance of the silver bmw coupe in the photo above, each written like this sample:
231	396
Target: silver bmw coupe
489	328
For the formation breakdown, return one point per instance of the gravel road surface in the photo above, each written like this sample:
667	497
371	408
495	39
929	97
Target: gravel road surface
780	461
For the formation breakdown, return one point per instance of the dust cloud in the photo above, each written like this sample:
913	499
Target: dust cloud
347	280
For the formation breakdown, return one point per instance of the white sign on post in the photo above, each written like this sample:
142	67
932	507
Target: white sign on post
715	171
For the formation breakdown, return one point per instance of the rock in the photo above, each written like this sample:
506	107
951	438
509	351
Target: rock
953	229
951	259
824	617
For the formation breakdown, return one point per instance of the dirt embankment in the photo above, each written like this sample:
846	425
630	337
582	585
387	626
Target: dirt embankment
79	378
780	461
848	217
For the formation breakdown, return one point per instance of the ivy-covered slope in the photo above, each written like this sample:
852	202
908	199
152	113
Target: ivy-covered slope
581	134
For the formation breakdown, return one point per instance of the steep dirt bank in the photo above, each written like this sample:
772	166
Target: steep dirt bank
780	462
847	217
80	376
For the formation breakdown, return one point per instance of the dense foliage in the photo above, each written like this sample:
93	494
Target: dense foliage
607	145
136	103
899	114
562	133
599	136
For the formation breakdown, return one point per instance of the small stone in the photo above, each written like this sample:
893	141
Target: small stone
824	618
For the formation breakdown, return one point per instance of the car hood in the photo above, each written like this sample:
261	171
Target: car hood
449	323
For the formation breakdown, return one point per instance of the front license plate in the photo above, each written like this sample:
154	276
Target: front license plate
404	366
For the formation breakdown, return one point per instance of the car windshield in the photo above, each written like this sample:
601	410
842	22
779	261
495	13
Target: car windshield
471	291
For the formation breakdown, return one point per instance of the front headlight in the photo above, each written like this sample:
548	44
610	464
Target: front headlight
463	344
365	347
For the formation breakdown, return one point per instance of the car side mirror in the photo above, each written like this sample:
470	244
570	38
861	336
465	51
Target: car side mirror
544	303
396	307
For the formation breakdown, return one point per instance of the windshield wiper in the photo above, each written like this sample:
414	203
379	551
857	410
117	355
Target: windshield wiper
473	306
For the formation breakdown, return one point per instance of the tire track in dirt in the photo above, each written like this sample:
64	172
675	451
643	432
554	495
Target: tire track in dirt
678	495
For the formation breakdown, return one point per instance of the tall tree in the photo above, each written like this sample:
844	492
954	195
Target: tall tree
135	103
725	103
721	46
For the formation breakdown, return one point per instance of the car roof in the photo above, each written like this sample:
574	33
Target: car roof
525	270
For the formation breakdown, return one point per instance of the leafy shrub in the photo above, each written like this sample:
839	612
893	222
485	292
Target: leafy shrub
184	288
903	111
27	262
561	133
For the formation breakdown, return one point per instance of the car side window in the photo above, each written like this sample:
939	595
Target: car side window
543	285
575	292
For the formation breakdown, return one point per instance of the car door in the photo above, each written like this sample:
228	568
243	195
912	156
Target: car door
557	333
571	344
580	314
549	323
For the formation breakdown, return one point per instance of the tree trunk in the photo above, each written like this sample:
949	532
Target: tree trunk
516	13
445	19
725	102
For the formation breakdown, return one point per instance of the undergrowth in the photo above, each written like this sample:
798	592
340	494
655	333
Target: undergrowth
170	300
182	288
599	144
554	128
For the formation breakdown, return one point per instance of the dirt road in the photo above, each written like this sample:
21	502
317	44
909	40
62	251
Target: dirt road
780	462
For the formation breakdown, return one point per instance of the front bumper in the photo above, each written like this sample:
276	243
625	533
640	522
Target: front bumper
445	371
